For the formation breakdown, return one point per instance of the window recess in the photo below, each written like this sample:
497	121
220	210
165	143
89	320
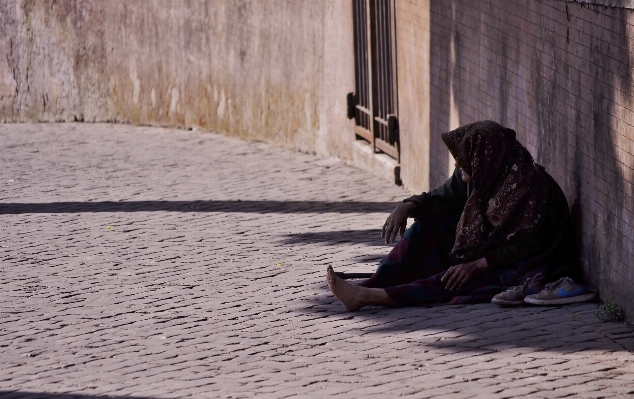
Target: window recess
373	105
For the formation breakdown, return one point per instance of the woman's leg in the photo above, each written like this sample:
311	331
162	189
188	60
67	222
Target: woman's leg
480	288
418	293
355	297
420	254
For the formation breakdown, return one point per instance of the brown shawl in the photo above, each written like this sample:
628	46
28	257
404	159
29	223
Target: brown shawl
509	198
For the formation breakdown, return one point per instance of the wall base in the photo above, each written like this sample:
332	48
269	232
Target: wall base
378	164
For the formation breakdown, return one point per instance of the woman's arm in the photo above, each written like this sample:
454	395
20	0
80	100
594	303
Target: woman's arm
397	221
513	252
457	276
451	196
517	250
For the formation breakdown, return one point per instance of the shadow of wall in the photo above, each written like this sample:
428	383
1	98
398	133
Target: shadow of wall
441	34
560	74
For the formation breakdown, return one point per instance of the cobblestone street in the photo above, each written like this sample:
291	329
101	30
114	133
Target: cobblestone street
160	263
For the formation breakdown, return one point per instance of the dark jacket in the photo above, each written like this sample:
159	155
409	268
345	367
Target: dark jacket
548	243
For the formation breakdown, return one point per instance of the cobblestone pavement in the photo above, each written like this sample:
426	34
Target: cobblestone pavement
146	262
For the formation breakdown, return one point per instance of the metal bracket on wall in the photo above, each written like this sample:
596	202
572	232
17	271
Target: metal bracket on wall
392	129
352	105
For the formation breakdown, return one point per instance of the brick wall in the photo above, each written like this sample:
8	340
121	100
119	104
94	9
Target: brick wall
276	71
560	74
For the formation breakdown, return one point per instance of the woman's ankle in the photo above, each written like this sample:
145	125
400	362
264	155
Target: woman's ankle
375	297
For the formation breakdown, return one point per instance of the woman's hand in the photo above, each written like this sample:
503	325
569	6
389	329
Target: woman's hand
397	221
456	276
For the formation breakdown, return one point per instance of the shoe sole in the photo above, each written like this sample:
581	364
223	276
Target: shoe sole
502	302
562	301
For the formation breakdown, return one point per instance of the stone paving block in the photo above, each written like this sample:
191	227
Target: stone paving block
140	260
457	395
519	392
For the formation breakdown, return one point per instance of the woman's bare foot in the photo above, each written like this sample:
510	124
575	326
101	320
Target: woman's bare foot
347	293
354	297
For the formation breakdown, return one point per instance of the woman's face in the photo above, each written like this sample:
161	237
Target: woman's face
465	177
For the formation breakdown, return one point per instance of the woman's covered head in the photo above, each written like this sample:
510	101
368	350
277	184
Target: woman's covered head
509	194
482	149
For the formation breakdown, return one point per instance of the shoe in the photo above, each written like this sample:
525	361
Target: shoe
515	295
561	292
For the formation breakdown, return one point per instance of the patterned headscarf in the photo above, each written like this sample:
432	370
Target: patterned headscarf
509	197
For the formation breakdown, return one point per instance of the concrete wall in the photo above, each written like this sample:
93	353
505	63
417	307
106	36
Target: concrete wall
276	71
413	71
560	74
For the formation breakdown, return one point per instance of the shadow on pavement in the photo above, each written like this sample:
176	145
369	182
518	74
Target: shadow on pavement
238	206
372	258
9	394
368	237
485	327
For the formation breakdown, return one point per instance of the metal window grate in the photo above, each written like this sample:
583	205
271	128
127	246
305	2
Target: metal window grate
363	114
375	99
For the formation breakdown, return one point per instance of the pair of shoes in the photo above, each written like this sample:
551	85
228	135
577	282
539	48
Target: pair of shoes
515	295
561	292
533	291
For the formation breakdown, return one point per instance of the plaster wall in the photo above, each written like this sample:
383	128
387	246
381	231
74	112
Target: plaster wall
276	71
414	101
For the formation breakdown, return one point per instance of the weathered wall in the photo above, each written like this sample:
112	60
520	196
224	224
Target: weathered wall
413	63
276	71
560	74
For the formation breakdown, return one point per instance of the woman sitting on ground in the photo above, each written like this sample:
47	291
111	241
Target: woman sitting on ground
498	220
